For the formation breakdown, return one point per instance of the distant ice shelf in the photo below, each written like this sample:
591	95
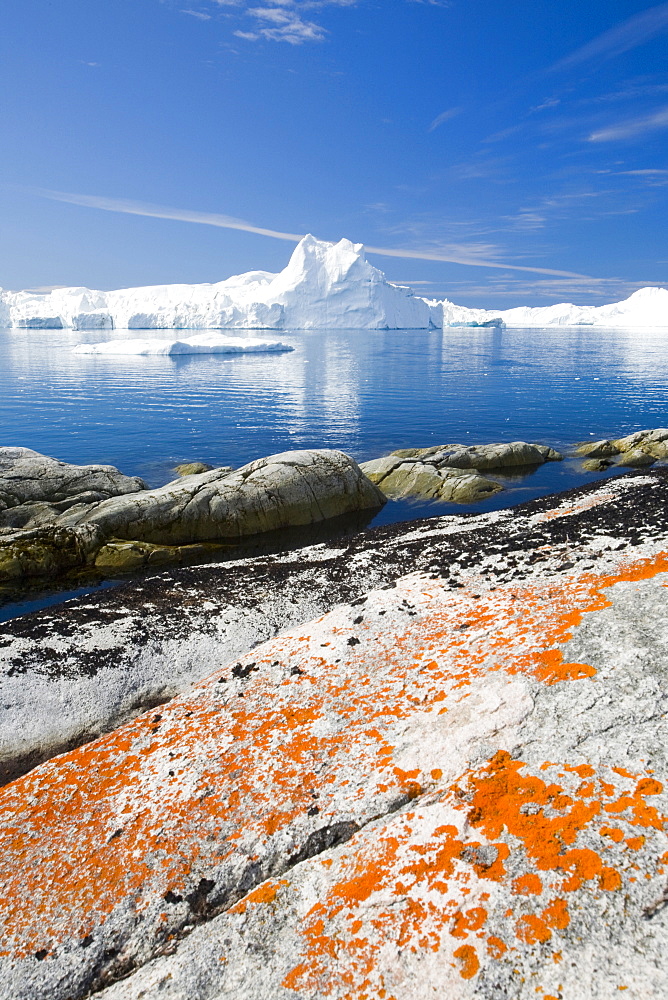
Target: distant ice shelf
325	286
207	343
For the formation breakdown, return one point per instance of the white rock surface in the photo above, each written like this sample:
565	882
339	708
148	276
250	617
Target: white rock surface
206	343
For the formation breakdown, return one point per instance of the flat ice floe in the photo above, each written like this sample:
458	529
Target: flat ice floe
206	343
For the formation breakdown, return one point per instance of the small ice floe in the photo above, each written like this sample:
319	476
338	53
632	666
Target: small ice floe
206	343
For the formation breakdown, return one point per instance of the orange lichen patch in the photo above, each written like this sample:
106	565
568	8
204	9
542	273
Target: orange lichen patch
496	947
532	929
528	885
585	503
635	843
265	893
556	914
468	959
391	900
469	920
153	808
609	879
611	831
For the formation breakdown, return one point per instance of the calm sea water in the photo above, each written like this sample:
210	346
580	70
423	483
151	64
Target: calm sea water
366	392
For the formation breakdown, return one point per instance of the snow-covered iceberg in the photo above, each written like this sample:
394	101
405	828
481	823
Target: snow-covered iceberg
206	343
647	307
325	286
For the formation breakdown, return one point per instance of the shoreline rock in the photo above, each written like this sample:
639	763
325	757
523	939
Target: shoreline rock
35	489
284	491
451	472
638	450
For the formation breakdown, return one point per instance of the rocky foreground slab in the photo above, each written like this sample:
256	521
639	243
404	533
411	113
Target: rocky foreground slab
448	783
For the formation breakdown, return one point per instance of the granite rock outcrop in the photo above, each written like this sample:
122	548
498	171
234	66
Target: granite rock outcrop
449	779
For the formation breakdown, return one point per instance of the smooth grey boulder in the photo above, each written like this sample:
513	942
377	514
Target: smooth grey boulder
482	456
290	489
36	489
451	471
637	450
397	477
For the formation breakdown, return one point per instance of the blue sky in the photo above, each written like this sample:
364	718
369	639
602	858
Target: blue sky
529	135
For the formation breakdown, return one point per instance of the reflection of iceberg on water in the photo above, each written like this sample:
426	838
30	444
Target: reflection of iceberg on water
325	286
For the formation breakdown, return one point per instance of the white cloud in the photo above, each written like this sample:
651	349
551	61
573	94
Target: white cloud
627	35
199	14
288	21
449	253
444	116
632	127
282	24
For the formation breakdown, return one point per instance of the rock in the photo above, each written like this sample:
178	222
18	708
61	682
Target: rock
451	786
118	557
46	552
419	479
294	488
635	459
36	489
650	442
597	449
288	489
485	456
596	464
126	557
433	473
194	468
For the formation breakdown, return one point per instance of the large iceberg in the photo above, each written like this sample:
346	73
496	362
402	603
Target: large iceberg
324	286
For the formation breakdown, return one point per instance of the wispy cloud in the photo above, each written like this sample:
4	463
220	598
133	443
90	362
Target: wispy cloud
282	20
627	35
445	255
631	128
199	14
280	25
646	172
444	116
523	291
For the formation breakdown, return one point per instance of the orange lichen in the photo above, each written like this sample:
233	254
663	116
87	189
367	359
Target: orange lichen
527	885
265	893
609	879
496	947
468	959
611	831
142	811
